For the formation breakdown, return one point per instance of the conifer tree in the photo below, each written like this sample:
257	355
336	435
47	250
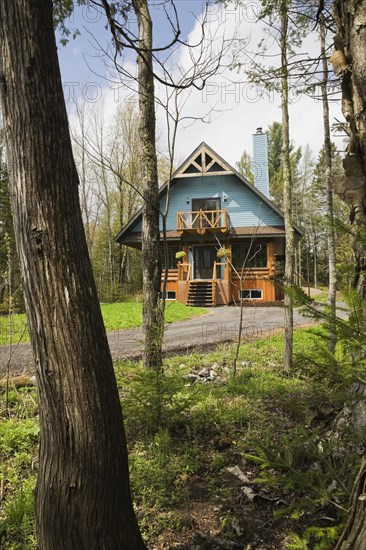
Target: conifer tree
82	497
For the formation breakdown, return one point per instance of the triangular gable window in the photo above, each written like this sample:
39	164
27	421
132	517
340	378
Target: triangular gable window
192	169
204	163
215	167
198	160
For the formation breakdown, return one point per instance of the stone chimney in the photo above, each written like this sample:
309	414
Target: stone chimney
260	162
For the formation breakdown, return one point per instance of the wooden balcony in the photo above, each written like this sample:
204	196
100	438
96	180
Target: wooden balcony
202	221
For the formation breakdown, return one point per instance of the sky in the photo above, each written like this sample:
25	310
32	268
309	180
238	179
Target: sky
227	111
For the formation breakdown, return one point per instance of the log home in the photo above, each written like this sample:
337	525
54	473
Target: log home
229	236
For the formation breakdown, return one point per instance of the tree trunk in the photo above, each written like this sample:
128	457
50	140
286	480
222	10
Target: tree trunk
315	261
350	40
354	534
296	270
287	195
329	194
151	270
82	497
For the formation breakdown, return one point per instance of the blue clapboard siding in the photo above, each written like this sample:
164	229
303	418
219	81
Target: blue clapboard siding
260	162
244	207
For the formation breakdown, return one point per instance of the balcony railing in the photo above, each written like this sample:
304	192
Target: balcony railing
203	220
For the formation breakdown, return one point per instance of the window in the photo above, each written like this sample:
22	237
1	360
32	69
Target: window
205	204
249	255
215	168
250	294
169	295
172	260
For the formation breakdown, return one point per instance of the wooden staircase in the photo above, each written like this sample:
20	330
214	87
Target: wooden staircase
201	294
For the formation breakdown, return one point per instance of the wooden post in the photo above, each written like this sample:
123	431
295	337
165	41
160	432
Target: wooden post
271	259
228	269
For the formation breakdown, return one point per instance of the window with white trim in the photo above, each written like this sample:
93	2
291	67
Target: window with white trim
250	294
169	295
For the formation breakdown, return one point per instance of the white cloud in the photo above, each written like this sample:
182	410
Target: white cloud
239	107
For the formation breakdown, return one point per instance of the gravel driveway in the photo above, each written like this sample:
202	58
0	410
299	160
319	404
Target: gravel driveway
219	325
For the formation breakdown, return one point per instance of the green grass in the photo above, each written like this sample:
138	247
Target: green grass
117	316
182	436
323	297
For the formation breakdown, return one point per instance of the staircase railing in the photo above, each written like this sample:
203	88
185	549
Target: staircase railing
215	265
184	271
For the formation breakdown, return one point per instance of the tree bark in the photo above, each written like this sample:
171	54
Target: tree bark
354	534
350	17
151	269
329	195
315	259
82	497
299	269
287	195
350	40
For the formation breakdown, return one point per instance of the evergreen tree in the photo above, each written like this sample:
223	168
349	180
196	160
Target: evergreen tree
275	166
83	495
245	166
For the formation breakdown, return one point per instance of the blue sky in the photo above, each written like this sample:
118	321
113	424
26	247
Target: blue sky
238	107
83	50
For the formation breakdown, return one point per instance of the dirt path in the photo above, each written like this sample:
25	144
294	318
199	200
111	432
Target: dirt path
219	325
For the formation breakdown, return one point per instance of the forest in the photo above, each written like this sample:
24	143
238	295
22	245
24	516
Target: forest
257	442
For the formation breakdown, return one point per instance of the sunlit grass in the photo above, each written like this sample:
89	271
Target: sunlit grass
117	316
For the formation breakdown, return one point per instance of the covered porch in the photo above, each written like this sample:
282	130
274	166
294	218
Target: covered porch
202	277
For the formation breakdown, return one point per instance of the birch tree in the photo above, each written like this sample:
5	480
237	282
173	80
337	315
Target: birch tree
349	62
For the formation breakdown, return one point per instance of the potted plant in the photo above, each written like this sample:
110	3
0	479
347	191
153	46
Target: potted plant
224	252
180	255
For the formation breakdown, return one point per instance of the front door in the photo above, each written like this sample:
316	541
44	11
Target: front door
204	258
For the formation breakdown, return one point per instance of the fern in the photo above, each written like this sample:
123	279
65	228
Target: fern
317	538
297	543
307	465
17	527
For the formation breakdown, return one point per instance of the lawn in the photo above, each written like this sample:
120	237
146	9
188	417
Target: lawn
323	296
116	316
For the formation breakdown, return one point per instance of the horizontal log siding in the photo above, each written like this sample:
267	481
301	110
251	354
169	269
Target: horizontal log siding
259	282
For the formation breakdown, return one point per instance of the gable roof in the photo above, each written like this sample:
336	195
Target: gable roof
204	161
